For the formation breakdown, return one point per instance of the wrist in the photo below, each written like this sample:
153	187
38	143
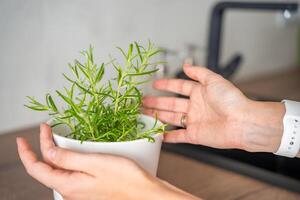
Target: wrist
263	126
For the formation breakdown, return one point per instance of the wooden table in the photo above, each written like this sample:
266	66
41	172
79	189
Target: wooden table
198	178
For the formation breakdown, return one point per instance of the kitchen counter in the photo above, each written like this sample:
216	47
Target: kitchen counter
198	178
277	86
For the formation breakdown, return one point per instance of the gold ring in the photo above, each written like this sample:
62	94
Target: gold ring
183	121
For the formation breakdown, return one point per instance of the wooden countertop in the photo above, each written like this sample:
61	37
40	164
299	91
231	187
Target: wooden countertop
198	178
277	86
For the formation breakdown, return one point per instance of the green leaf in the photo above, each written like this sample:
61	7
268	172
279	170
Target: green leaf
36	108
72	91
35	105
129	54
69	79
155	52
68	101
56	124
51	103
122	51
74	70
82	69
119	76
139	51
105	94
83	88
142	82
91	54
100	74
81	103
143	73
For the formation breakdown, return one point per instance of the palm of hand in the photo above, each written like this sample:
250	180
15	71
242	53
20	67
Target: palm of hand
211	110
211	113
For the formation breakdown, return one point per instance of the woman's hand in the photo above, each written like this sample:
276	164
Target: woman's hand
218	114
92	176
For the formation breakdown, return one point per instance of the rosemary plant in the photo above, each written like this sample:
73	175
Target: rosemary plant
106	112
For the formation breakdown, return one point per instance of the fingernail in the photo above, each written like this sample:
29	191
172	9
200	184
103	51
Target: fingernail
51	153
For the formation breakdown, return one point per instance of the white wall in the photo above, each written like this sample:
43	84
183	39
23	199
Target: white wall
38	38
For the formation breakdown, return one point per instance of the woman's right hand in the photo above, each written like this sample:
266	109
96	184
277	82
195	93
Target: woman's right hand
218	114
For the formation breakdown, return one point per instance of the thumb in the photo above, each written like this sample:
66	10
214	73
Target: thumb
201	74
62	158
46	140
71	160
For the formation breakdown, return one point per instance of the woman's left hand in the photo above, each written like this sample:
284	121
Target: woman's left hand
91	176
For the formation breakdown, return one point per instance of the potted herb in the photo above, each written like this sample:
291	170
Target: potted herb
104	116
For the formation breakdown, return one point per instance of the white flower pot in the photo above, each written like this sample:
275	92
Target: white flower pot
143	152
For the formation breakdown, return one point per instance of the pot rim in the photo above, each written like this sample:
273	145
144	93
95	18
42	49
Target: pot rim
155	136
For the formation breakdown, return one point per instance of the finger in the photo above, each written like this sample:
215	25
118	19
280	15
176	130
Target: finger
92	164
165	116
166	103
53	178
46	140
74	161
201	74
66	159
61	157
176	136
179	86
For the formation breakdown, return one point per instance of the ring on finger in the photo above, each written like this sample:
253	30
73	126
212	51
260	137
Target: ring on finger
183	121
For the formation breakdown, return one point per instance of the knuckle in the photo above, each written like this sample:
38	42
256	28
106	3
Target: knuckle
59	158
188	120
